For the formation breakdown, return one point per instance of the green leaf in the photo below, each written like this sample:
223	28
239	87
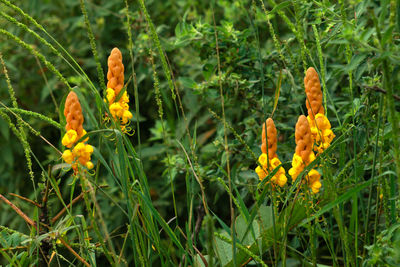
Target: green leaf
387	36
241	226
198	262
355	62
188	82
224	250
265	213
280	6
185	33
292	215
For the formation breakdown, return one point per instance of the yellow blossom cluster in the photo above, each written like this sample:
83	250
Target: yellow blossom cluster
119	109
81	152
269	160
321	132
304	155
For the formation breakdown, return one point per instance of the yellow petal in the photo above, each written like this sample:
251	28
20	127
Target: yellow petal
110	95
69	138
275	162
78	149
282	180
263	159
89	165
261	173
315	187
67	156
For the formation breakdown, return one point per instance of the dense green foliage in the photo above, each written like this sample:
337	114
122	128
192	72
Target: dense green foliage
180	187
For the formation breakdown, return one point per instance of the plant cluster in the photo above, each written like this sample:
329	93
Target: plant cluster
312	133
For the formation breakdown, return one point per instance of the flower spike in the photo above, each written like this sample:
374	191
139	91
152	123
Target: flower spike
269	159
115	76
81	152
304	155
321	132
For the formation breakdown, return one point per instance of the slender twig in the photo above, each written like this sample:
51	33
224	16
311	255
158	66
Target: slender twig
73	251
17	210
26	199
197	250
55	218
12	248
378	89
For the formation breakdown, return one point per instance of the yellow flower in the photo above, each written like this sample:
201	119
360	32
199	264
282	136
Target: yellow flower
124	98
316	186
294	172
322	122
263	159
78	149
89	165
311	158
127	115
313	176
116	109
83	134
297	161
261	173
275	163
67	156
328	135
69	138
110	95
87	151
83	152
321	132
281	180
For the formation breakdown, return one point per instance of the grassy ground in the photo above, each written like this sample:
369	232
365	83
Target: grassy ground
177	185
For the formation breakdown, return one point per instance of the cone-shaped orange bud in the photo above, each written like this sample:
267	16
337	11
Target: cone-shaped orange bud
270	137
303	138
73	114
313	92
115	74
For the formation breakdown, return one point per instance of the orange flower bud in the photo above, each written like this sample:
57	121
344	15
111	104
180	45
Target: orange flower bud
73	114
271	138
115	74
313	92
304	141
